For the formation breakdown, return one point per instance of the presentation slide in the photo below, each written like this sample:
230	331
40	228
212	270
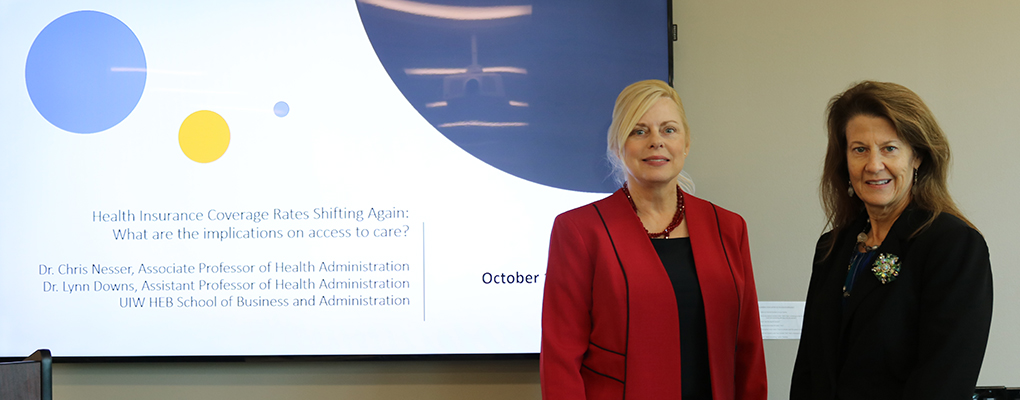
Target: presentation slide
362	177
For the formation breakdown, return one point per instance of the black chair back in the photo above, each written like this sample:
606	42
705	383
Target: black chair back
29	379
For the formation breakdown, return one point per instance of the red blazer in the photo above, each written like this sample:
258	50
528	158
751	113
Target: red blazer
609	316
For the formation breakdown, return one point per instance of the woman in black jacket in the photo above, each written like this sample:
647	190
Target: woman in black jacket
900	299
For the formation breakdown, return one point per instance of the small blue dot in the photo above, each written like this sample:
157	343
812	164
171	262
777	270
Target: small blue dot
85	72
281	109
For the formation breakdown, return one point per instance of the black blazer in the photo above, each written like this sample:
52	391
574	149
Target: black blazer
922	335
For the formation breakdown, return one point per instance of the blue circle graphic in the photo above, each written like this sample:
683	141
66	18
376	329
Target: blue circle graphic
85	72
281	109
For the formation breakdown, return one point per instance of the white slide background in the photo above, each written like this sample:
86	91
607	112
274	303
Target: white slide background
351	141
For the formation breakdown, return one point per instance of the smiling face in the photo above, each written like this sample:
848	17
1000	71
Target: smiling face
656	148
881	165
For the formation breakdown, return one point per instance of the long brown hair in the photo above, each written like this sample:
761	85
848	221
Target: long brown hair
914	124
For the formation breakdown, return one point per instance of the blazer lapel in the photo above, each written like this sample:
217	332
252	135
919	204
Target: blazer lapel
653	331
867	282
635	250
715	263
718	288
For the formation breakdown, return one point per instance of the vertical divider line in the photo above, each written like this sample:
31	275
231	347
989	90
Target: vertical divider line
423	272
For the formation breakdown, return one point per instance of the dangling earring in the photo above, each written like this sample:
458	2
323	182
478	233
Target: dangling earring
913	185
850	189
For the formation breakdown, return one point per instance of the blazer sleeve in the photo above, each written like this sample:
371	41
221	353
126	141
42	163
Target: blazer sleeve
566	312
804	376
749	376
955	316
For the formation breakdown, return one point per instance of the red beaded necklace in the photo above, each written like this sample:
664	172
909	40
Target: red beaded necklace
678	216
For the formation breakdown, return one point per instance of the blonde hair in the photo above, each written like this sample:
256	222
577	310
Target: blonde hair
633	102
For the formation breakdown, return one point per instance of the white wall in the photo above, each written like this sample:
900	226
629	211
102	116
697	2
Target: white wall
755	77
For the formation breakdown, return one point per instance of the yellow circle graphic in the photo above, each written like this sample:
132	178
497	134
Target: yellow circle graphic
204	136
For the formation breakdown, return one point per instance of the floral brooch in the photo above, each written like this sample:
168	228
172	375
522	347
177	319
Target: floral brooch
887	267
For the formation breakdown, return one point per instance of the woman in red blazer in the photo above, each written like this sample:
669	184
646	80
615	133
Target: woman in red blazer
649	292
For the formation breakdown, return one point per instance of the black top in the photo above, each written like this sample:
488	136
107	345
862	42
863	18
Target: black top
677	257
858	263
